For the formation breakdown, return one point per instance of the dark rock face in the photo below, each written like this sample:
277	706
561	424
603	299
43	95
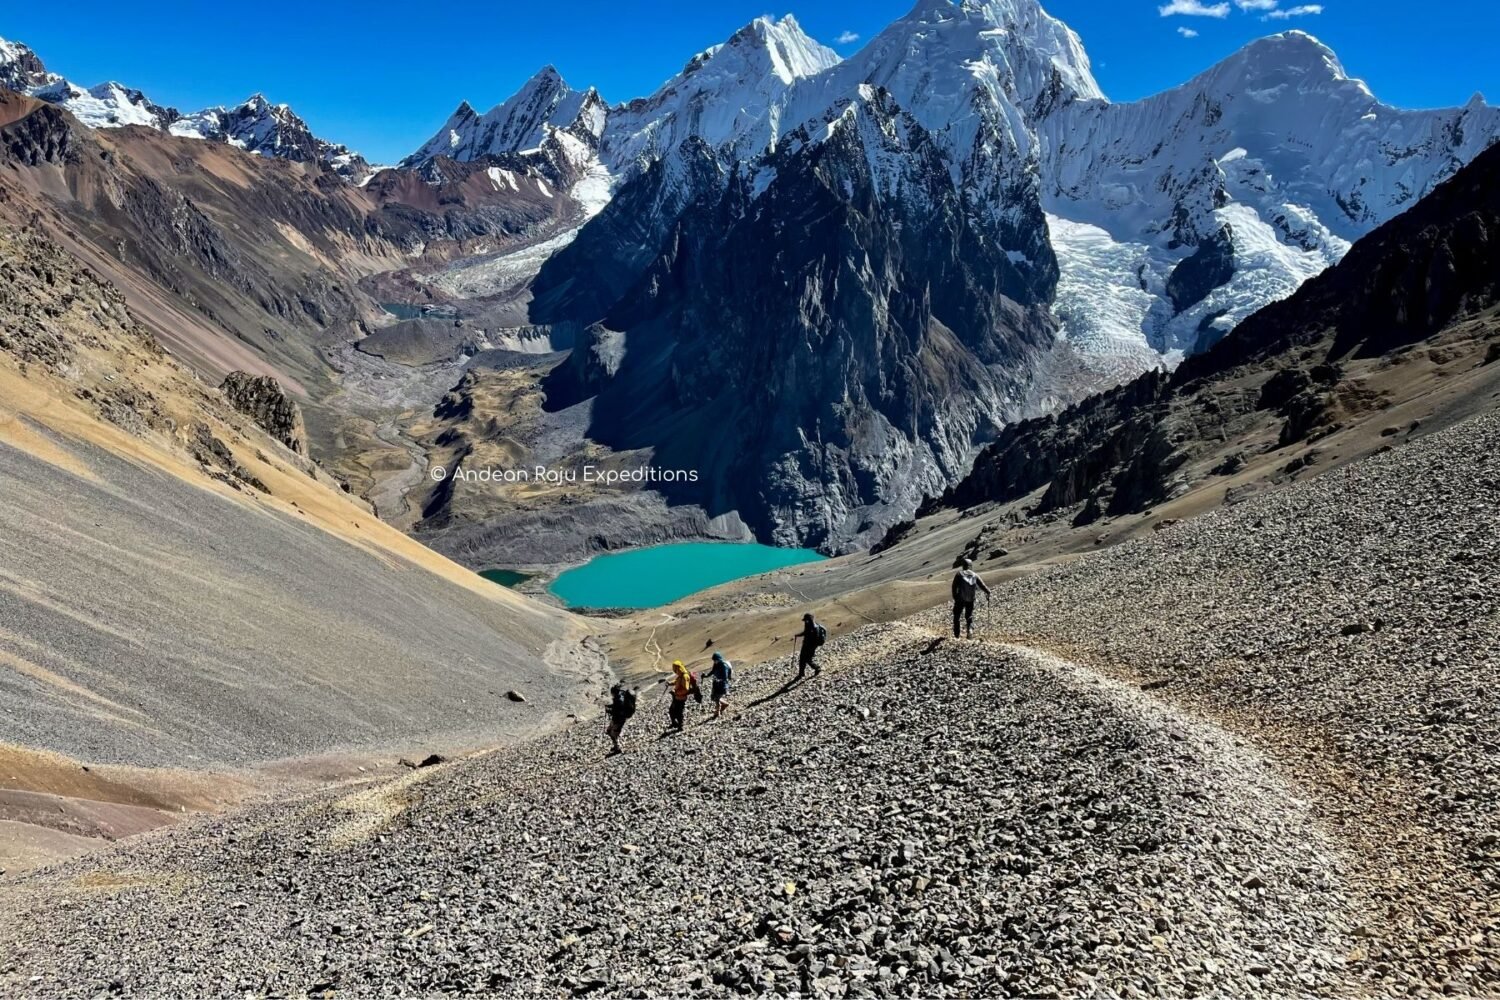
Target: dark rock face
261	398
457	200
44	136
1210	266
1073	452
22	70
824	336
1117	452
585	279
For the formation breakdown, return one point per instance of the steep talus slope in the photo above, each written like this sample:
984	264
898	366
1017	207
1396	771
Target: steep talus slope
867	833
1298	371
217	251
179	588
930	817
1350	626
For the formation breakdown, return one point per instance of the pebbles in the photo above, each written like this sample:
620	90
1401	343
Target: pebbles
996	823
1350	626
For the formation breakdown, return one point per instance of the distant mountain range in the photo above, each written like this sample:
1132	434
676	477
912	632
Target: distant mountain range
256	126
827	283
865	267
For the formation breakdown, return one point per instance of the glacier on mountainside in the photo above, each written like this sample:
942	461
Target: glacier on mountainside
1277	143
1276	153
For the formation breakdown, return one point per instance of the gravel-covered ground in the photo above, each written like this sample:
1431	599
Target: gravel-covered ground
1254	754
927	818
1350	627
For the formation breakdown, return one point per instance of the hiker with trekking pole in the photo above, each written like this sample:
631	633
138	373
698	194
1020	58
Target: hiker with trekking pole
813	635
966	587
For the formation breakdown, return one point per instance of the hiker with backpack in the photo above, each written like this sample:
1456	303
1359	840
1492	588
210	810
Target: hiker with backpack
684	686
721	673
621	708
966	587
813	635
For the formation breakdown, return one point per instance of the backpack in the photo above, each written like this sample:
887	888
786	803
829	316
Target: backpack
820	635
966	584
625	704
728	671
693	688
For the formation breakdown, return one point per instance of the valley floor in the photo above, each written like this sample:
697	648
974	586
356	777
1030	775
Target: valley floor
1253	754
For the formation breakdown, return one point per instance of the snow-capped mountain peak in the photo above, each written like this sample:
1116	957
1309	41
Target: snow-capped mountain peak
1293	59
1026	52
105	105
520	122
728	95
1058	45
21	69
258	126
789	51
976	72
1252	177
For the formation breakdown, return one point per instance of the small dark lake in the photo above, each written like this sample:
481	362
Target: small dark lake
505	577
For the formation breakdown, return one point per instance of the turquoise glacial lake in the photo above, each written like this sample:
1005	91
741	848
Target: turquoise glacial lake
649	578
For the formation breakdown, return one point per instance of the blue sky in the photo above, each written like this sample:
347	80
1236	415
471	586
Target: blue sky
381	77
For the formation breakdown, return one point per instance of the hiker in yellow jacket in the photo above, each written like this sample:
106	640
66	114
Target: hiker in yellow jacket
683	687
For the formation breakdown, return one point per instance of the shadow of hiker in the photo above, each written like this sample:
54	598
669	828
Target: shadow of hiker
785	688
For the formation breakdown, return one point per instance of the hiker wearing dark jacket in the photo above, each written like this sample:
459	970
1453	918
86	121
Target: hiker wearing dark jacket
721	673
621	708
812	635
966	587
